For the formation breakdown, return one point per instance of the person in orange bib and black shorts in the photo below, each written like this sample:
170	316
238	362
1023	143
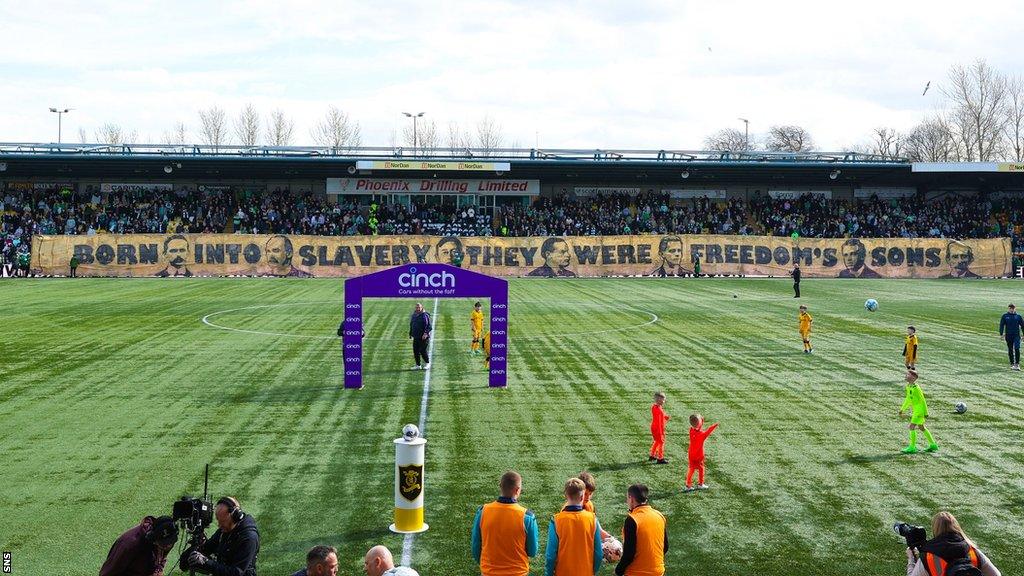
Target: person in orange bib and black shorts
644	537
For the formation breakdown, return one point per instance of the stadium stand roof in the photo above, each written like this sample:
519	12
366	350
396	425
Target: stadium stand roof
621	166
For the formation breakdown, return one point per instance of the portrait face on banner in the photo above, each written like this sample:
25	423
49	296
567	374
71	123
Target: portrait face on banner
177	251
959	258
671	251
446	250
854	253
557	257
279	254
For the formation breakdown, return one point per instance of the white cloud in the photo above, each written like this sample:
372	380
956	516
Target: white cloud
598	74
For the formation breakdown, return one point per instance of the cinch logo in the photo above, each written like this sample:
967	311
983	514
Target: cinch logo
411	279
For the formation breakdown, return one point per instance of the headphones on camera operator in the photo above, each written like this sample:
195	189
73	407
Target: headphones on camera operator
233	508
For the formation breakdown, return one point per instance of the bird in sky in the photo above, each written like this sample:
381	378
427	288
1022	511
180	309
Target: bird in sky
926	87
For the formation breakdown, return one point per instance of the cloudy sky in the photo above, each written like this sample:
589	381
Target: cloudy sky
658	74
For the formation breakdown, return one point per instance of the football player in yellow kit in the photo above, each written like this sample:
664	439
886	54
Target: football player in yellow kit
476	322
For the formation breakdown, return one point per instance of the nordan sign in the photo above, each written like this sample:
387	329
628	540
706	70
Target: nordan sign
425	281
463	165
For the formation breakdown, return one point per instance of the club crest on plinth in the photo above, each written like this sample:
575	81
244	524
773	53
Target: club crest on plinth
411	481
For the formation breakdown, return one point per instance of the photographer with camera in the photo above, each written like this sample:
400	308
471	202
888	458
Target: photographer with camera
949	553
233	548
142	550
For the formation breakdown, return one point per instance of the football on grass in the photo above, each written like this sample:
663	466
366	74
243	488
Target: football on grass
871	305
961	407
612	549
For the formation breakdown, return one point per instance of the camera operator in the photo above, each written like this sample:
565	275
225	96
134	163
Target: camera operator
948	551
142	550
232	549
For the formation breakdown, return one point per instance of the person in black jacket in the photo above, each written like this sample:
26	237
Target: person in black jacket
796	280
233	548
419	332
1009	329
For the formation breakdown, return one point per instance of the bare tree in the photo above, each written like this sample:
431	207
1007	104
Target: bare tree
114	135
426	136
82	137
886	142
247	126
1015	119
213	126
280	128
337	130
930	141
177	136
789	138
978	96
726	140
489	135
457	138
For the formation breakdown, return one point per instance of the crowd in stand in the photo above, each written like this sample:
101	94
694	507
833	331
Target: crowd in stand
283	213
90	211
809	216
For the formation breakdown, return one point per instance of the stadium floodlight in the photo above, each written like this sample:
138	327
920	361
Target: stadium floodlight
414	117
60	114
834	174
168	169
685	174
746	133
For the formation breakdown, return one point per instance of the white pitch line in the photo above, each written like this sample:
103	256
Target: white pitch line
408	540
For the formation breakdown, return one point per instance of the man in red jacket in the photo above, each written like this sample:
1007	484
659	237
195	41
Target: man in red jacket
142	551
696	454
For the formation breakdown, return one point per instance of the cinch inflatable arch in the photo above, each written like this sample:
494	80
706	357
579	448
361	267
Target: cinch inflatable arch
424	281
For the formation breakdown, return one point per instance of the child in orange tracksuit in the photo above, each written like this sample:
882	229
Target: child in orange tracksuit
697	437
658	420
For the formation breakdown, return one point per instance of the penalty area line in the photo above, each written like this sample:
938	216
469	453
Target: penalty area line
409	538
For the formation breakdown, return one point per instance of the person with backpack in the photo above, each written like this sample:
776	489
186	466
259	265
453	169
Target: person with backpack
949	553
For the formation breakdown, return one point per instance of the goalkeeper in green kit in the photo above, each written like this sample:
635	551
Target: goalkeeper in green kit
919	411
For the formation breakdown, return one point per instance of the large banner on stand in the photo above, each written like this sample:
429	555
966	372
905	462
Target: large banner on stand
165	255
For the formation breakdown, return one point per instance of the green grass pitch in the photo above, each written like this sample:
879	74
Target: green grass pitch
114	394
